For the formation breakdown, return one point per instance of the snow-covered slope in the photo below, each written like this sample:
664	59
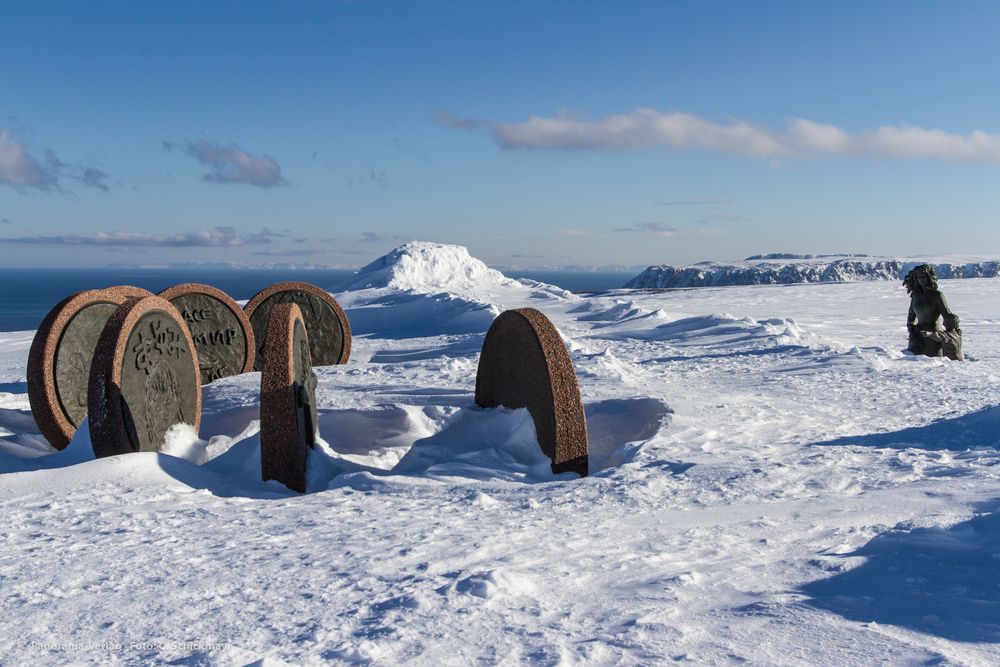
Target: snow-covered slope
430	267
782	268
774	482
427	289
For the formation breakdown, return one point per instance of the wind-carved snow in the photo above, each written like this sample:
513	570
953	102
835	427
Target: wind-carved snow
768	466
482	444
425	289
779	268
429	267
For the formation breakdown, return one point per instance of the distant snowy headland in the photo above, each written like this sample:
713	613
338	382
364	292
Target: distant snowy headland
786	268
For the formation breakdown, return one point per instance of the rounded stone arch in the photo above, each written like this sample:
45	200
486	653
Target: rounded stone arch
59	360
144	378
288	417
524	364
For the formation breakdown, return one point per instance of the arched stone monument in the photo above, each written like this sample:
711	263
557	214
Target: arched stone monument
326	322
219	328
143	380
59	360
524	364
288	419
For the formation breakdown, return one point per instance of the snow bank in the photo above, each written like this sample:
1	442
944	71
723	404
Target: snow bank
494	444
620	312
716	329
425	289
411	315
29	450
420	266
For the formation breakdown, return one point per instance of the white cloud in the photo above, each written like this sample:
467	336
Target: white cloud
645	128
820	137
213	237
22	170
18	168
228	163
914	142
656	228
642	128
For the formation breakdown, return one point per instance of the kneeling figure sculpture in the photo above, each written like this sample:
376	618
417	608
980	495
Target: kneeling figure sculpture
927	304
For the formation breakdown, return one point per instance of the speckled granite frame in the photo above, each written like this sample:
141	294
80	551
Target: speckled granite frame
291	286
109	418
524	364
43	392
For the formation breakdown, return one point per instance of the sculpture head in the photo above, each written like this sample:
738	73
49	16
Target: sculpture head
920	278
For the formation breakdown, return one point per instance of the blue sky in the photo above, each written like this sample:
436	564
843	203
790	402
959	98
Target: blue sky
534	133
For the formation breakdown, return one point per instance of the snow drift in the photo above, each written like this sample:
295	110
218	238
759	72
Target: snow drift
424	289
425	267
768	466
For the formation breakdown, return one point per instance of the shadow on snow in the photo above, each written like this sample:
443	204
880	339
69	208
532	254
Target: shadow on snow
976	430
939	581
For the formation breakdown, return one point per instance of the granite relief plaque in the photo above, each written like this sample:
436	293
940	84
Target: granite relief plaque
326	323
220	329
59	360
143	380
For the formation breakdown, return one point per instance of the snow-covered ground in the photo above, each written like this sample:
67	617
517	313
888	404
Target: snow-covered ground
774	482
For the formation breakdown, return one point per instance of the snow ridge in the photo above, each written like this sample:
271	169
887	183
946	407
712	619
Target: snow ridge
761	270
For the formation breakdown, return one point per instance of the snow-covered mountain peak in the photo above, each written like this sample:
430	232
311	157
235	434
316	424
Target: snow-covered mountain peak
427	267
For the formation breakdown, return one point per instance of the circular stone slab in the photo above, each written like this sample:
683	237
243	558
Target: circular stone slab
219	327
287	399
144	378
60	356
524	364
327	325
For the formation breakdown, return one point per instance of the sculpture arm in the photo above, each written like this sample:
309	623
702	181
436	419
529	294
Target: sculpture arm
950	318
911	320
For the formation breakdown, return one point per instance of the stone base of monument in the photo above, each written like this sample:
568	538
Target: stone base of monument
59	359
143	379
220	329
287	399
326	322
524	364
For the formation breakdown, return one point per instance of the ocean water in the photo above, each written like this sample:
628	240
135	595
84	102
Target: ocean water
27	295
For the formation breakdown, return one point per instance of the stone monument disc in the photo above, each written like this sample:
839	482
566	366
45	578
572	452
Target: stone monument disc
326	323
60	356
287	399
524	364
220	329
144	378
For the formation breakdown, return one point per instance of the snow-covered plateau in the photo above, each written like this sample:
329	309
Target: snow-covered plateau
784	269
774	481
